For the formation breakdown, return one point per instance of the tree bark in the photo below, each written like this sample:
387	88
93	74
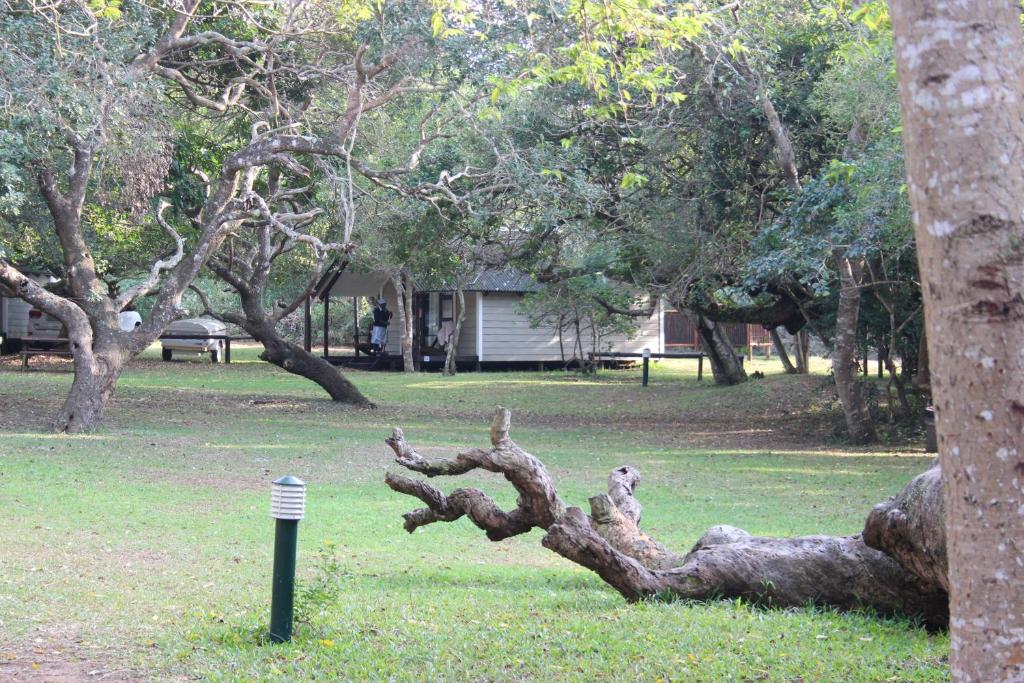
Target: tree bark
787	158
842	572
911	527
403	292
780	349
802	352
961	67
296	360
262	326
923	378
844	360
725	364
453	341
96	376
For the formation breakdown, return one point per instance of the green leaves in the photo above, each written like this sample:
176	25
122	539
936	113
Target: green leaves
105	9
632	180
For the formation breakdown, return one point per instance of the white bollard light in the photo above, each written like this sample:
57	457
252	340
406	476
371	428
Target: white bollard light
287	506
288	498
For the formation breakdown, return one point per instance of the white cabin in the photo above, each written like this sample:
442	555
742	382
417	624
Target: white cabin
495	332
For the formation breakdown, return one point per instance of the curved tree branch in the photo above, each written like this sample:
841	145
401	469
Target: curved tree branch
839	571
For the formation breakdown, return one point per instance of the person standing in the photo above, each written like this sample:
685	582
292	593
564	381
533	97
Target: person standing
381	320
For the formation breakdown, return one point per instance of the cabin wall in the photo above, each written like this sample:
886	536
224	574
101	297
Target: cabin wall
648	335
467	335
15	317
508	336
394	345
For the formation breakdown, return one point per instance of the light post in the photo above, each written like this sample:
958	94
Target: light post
647	365
287	506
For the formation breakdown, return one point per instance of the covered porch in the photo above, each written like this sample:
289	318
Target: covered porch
433	319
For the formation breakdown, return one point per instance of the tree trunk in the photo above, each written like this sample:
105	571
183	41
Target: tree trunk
844	359
296	360
803	352
780	348
911	527
453	341
787	158
842	572
725	364
961	67
923	378
403	292
96	376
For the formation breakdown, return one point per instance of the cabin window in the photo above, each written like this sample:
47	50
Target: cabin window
447	307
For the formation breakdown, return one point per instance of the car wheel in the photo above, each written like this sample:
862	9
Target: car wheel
166	354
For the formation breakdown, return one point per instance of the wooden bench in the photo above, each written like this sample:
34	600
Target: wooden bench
29	351
699	355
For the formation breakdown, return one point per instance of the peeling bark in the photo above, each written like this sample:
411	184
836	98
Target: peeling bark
727	562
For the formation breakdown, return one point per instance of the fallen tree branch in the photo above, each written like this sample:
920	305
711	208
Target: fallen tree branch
837	571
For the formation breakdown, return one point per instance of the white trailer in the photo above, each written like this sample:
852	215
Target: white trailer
17	314
208	338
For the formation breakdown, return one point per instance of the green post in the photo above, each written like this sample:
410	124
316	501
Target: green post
647	364
287	506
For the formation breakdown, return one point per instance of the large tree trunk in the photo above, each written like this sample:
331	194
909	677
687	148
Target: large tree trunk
726	366
844	359
961	66
296	360
726	562
292	358
923	378
453	341
96	376
911	527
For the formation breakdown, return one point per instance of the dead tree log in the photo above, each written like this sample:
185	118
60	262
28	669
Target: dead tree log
911	527
838	571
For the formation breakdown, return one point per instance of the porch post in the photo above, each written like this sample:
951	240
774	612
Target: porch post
307	325
355	324
327	317
479	329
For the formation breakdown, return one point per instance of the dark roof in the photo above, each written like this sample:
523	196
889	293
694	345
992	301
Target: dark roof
501	280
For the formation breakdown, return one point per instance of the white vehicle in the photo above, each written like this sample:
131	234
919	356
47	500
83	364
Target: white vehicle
43	327
15	317
203	329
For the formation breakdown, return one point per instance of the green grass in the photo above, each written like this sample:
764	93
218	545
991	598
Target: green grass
147	545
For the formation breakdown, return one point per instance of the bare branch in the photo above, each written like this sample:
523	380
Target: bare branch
160	265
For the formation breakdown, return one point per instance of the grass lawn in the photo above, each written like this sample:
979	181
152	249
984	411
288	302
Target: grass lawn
143	551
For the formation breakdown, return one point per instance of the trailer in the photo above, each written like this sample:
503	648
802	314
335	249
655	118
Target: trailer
209	338
20	321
